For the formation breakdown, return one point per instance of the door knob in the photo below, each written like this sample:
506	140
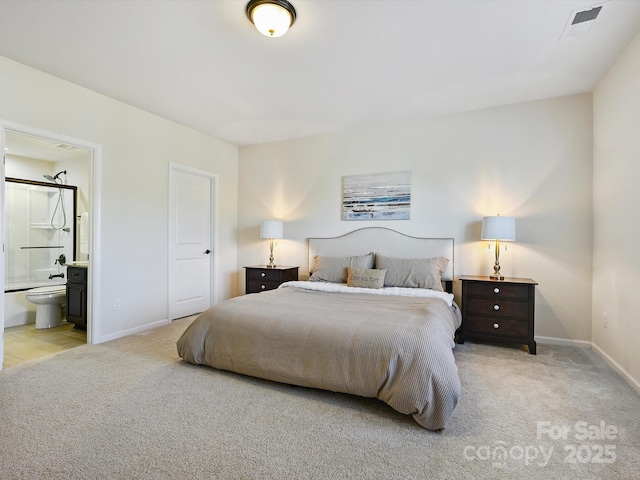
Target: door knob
207	251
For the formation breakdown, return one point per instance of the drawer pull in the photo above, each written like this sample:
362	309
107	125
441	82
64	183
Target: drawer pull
496	325
496	290
262	287
496	307
263	274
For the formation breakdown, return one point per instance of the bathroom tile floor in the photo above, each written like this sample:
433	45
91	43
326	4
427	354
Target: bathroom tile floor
27	343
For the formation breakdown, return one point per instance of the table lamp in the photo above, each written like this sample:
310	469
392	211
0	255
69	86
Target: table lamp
498	229
271	229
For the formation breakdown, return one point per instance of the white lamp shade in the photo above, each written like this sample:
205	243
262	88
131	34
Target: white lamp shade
498	228
271	19
271	229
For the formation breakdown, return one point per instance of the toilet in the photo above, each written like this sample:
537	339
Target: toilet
49	302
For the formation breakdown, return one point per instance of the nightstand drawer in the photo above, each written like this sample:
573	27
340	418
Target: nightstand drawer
497	307
255	286
497	326
497	290
261	278
264	275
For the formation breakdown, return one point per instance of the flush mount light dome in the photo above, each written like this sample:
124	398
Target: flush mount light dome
272	18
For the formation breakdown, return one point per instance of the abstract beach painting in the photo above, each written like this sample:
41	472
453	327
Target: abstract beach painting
378	196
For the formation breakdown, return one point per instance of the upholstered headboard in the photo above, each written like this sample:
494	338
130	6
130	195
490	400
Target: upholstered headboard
385	242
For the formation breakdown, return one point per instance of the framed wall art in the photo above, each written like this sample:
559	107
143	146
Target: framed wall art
377	196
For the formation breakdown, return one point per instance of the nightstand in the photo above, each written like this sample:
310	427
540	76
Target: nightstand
498	310
261	278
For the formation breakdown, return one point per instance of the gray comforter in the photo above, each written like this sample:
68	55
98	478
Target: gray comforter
395	348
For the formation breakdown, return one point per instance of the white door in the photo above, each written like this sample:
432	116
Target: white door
190	241
2	252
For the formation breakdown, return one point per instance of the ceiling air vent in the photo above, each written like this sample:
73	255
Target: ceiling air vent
581	21
64	145
587	15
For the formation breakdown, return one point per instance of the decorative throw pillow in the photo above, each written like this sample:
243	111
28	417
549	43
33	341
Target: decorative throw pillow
334	269
413	272
365	277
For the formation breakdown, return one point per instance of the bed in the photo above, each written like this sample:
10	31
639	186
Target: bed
393	343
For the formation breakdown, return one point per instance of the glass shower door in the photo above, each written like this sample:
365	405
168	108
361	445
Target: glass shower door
37	231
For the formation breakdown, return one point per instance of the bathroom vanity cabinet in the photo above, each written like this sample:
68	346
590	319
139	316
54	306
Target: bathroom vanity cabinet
77	296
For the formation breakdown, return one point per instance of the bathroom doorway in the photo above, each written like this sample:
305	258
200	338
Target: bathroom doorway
48	205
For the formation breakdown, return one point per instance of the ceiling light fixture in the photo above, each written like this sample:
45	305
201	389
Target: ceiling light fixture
272	18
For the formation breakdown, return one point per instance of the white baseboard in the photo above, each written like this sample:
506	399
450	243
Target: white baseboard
617	367
565	342
130	331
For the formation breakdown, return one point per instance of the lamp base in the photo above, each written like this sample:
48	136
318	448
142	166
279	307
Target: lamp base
496	277
271	264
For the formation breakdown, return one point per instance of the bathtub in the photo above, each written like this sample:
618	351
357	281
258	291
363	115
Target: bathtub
17	310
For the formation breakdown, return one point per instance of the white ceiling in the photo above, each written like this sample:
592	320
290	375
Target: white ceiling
343	64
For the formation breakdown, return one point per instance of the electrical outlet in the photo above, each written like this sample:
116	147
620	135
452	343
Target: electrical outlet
605	319
117	304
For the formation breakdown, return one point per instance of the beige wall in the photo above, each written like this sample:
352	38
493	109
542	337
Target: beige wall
532	160
136	150
616	264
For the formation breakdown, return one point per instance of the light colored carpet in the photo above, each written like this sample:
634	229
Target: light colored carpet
131	409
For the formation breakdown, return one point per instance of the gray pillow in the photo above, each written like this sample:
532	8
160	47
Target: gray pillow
334	269
365	277
413	272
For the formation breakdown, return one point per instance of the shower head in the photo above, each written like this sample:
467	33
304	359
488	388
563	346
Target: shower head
55	177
